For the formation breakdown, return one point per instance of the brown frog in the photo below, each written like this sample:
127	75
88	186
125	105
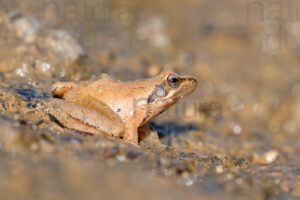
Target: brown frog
117	108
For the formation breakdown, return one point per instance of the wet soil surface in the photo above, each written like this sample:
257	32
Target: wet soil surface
235	137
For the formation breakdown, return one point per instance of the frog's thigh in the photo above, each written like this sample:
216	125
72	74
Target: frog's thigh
79	117
88	101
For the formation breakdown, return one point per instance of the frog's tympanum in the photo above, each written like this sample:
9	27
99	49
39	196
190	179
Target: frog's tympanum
115	108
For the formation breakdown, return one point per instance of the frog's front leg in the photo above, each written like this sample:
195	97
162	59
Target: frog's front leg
144	134
78	117
131	135
132	125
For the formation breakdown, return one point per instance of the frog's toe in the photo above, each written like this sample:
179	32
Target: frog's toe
60	88
147	136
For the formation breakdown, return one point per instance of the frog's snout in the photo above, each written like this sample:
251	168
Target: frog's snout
188	85
194	82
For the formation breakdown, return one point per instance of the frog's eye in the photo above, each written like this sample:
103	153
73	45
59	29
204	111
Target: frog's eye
173	81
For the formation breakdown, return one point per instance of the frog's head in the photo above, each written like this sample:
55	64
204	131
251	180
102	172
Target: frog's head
171	89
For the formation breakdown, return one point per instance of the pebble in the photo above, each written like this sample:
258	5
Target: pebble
188	182
229	176
121	158
271	156
131	154
219	169
110	152
237	129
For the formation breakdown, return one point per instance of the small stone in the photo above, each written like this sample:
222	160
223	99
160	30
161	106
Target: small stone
131	154
110	152
239	180
271	156
188	182
121	158
219	169
237	129
229	176
22	71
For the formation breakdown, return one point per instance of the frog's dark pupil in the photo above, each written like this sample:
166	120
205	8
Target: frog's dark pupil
174	80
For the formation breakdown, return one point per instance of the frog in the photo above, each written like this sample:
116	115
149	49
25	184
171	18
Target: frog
116	108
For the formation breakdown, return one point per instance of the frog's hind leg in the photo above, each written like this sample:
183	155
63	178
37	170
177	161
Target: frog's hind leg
71	123
78	117
60	88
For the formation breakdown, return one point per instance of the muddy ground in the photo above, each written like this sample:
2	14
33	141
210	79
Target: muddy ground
235	137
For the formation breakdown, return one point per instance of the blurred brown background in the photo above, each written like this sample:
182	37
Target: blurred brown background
242	141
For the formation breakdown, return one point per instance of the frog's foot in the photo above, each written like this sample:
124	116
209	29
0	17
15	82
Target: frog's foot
60	88
148	136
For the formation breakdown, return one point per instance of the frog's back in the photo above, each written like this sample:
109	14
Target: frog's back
121	97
